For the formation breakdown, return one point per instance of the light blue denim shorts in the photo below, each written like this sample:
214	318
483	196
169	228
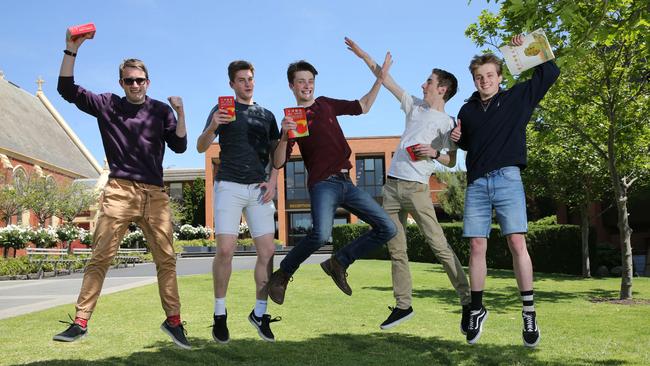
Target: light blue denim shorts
501	190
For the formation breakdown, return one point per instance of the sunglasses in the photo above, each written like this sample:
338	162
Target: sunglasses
131	81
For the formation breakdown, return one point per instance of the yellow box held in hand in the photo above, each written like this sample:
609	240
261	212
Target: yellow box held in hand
298	115
228	103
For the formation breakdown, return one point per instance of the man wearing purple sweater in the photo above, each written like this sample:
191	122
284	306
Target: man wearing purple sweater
134	131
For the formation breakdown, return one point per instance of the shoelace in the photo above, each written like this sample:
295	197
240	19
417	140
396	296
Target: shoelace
529	322
70	323
182	325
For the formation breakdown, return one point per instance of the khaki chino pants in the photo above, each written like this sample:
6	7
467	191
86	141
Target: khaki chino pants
400	198
124	201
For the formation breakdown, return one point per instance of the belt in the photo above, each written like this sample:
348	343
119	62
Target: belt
345	175
390	177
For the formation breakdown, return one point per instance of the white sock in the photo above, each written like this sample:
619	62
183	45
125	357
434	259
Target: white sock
260	308
220	306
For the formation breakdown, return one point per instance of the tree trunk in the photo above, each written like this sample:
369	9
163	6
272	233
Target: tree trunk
625	233
584	229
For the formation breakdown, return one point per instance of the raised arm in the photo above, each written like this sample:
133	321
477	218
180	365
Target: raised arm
218	118
280	151
378	71
71	49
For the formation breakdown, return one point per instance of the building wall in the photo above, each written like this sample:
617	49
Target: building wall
383	147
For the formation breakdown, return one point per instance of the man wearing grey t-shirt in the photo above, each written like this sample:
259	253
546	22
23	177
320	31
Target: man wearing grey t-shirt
426	134
244	182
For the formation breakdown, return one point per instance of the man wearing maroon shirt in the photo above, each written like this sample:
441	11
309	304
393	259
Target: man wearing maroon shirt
326	155
134	131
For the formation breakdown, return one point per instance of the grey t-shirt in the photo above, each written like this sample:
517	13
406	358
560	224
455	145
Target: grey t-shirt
245	144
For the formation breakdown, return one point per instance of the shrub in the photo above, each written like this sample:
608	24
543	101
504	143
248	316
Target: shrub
553	248
44	237
134	239
189	232
68	232
16	266
15	236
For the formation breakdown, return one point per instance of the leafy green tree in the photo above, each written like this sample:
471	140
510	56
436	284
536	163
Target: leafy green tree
452	198
194	203
73	199
603	100
11	203
41	197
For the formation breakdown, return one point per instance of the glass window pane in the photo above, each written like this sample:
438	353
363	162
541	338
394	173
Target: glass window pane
369	164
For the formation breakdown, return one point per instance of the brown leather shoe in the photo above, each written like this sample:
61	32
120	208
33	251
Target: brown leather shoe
335	270
277	285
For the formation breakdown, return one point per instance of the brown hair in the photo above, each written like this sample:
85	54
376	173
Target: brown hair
239	65
447	79
133	62
488	58
301	65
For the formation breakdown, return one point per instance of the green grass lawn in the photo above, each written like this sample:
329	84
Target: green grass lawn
322	326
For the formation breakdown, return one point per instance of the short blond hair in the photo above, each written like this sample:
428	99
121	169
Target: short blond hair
488	58
133	62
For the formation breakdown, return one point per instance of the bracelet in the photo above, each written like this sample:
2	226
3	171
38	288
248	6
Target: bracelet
70	53
437	155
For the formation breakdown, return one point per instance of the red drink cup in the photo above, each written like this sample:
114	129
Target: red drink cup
228	103
298	115
77	31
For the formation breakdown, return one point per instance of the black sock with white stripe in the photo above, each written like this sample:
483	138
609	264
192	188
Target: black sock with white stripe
528	300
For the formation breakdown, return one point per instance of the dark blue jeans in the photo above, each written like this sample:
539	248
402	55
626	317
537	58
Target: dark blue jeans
326	197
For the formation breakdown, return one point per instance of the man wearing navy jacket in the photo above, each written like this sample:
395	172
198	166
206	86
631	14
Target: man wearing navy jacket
492	129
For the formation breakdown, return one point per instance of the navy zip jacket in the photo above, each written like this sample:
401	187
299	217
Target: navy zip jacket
495	136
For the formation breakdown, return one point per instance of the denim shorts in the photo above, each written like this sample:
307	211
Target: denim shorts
501	190
230	199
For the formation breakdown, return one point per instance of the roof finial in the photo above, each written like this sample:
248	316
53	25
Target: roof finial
40	82
2	74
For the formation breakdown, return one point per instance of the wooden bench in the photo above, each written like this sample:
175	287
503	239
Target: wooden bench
55	256
124	255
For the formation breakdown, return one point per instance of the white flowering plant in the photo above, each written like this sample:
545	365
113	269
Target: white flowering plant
44	237
15	236
189	232
68	232
134	239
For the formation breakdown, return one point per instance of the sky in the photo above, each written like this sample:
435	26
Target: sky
187	46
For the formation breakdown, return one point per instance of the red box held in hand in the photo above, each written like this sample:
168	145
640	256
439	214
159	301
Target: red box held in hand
228	103
411	152
77	31
298	115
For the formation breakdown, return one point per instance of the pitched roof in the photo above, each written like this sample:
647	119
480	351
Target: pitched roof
33	128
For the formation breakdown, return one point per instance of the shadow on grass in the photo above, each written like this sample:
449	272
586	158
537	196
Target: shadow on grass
334	349
505	299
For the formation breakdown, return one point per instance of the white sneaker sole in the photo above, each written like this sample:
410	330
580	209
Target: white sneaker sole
68	339
397	322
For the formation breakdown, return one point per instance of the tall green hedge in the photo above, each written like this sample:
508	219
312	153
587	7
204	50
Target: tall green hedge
553	248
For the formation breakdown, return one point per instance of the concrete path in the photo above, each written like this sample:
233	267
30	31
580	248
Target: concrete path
26	296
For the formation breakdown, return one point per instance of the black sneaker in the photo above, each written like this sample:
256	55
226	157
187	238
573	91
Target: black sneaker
464	320
396	317
263	325
73	333
530	334
220	329
177	334
475	326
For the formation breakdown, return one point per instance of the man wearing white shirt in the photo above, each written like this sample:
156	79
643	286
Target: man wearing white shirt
426	135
